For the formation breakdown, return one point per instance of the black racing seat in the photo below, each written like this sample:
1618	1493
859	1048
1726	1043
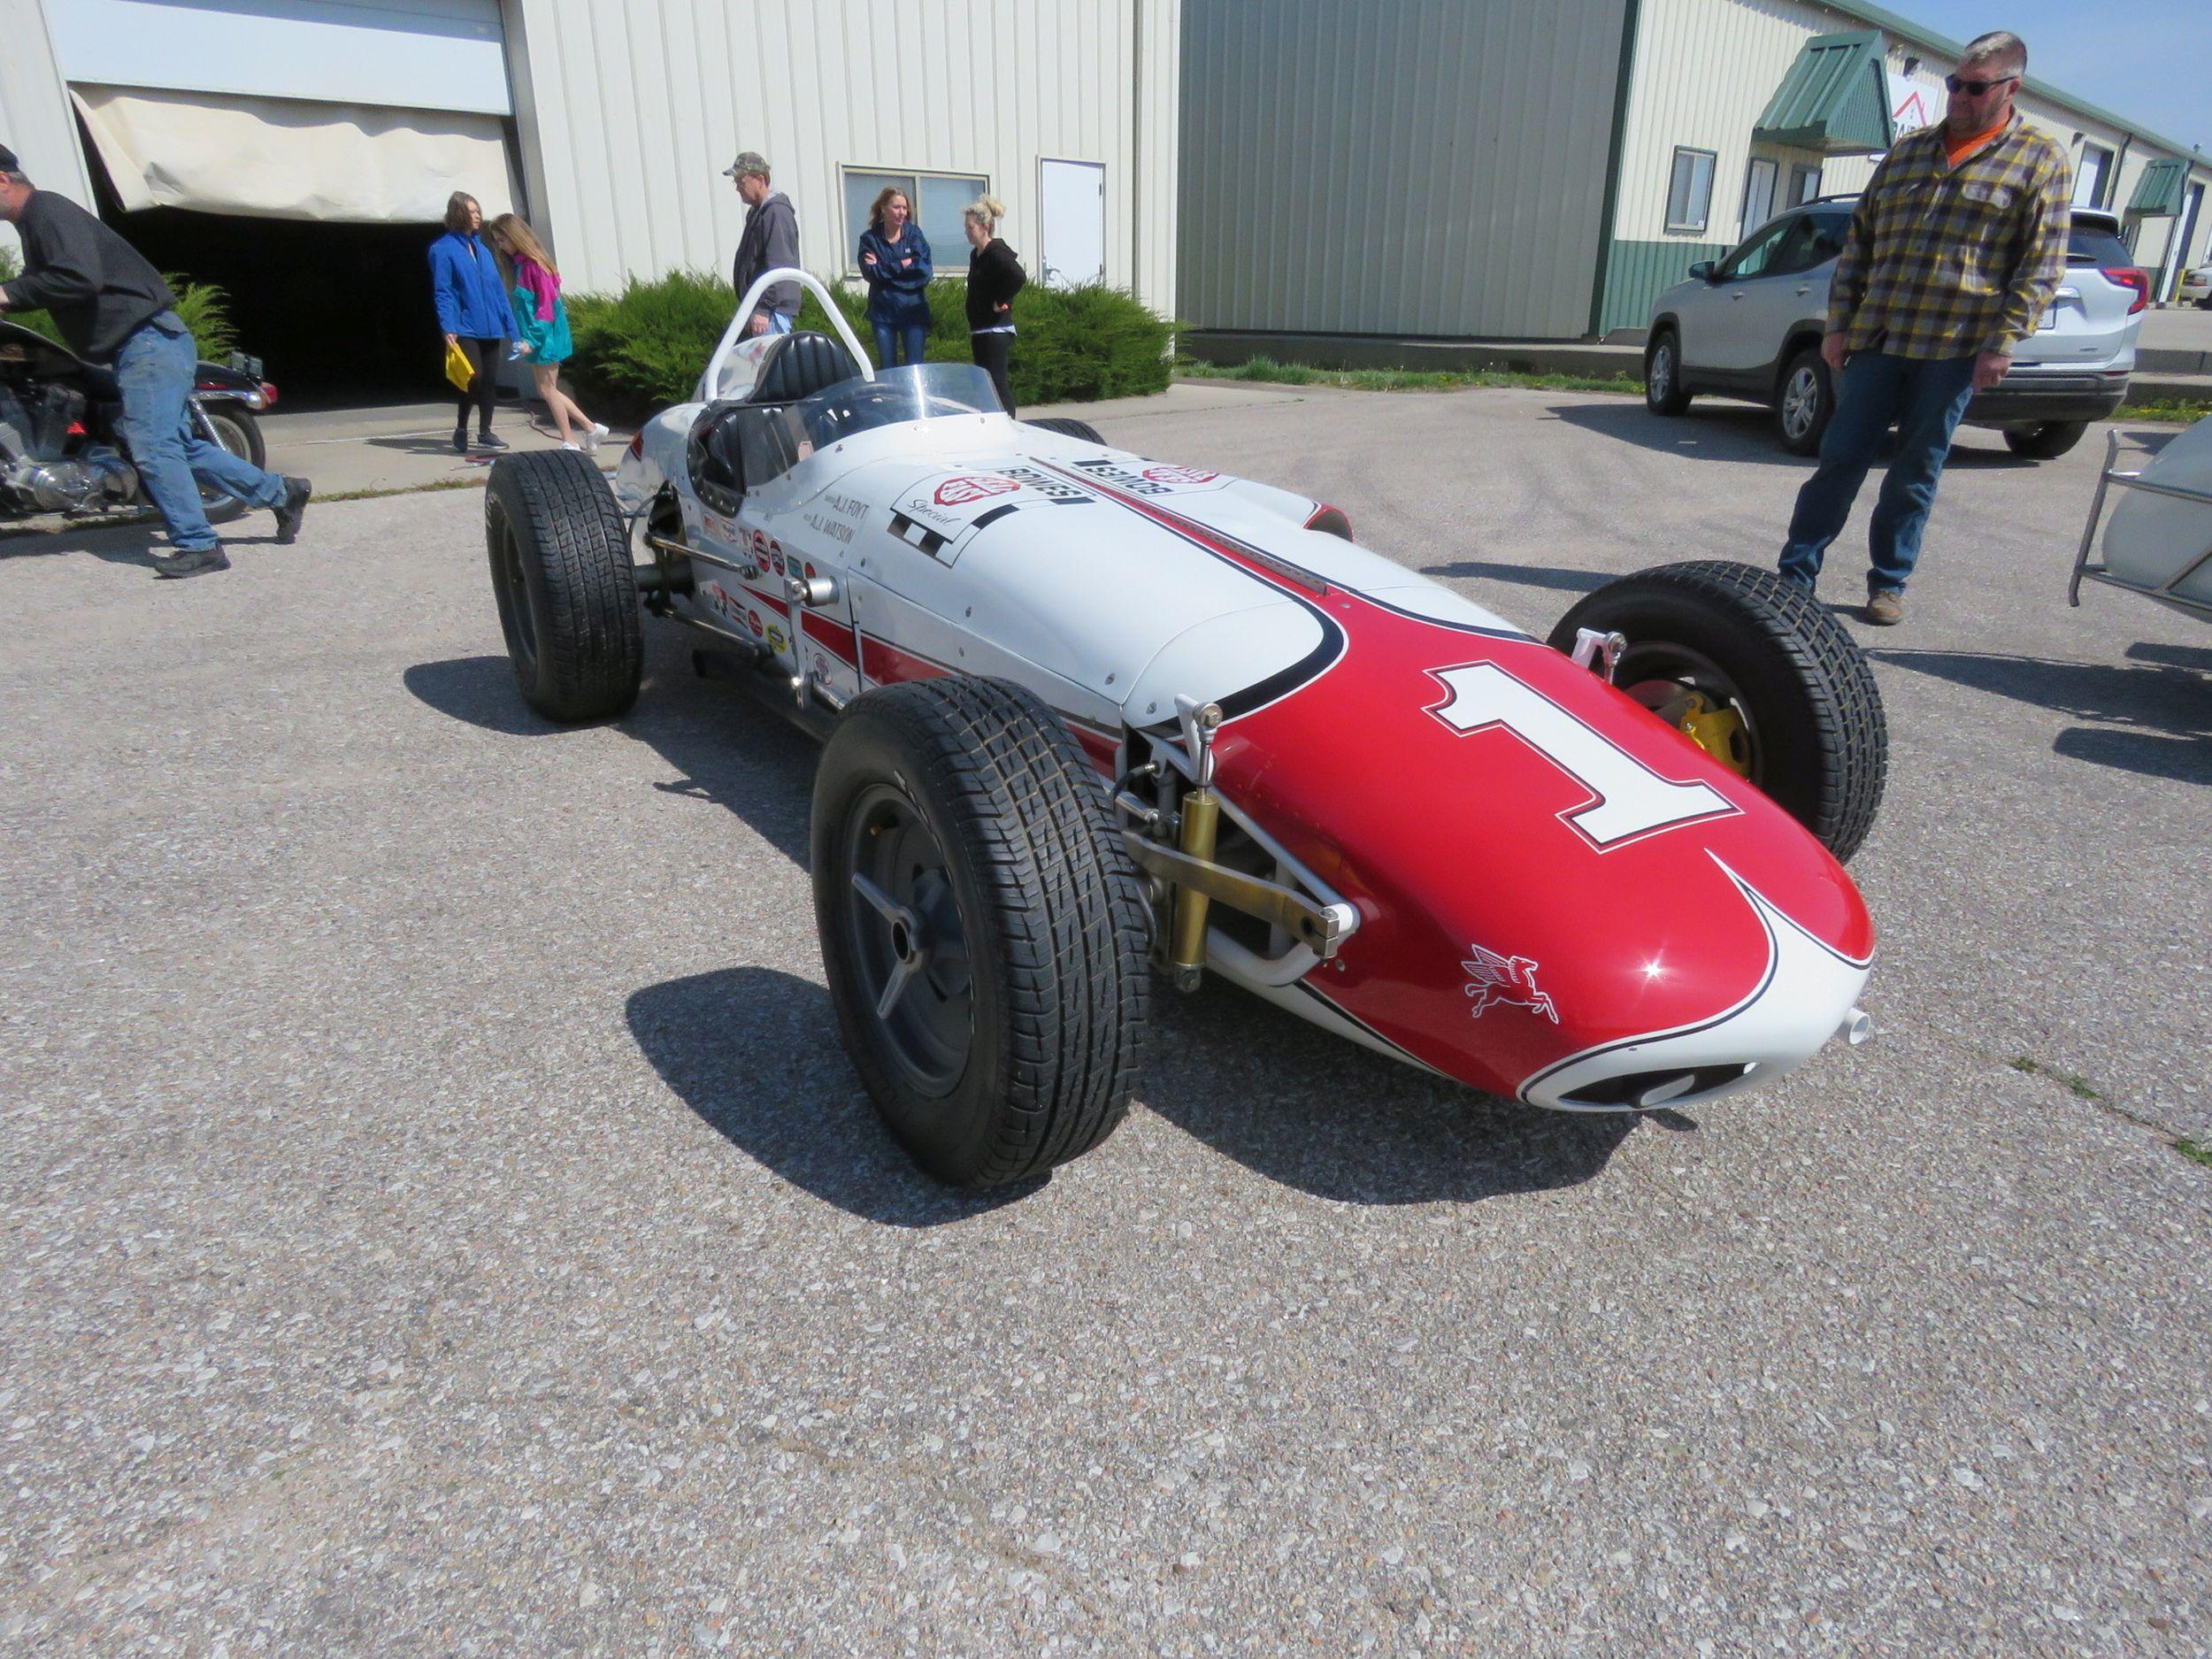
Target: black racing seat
740	444
798	365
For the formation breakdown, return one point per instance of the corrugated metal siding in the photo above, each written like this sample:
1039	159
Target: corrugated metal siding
1395	167
1636	272
630	110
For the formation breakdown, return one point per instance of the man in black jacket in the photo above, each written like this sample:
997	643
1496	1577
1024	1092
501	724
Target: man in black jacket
112	307
770	242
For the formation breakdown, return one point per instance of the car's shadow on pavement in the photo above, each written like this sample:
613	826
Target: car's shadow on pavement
755	1054
1745	431
2156	719
1563	581
1316	1112
1308	1109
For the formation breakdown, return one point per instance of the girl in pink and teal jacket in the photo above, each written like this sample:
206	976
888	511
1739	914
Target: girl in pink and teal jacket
534	290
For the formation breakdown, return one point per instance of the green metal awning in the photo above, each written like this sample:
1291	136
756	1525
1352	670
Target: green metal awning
2158	192
1835	99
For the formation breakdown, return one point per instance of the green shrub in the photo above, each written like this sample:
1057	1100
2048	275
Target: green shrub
204	308
641	350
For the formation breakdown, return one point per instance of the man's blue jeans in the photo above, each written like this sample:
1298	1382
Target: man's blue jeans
1925	399
911	337
155	369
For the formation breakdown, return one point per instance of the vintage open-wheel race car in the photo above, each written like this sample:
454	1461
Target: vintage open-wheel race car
1090	717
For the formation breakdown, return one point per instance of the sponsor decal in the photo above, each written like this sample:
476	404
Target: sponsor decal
1497	982
775	638
753	621
1158	479
955	492
720	600
1057	490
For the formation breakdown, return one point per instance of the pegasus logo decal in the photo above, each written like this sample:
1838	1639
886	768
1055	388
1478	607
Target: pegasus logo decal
1493	981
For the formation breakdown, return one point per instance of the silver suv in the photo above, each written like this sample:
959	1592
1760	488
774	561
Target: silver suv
1750	326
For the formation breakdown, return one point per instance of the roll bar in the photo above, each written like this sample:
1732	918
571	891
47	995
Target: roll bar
735	332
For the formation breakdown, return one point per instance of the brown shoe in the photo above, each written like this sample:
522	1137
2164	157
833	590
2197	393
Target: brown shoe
1887	609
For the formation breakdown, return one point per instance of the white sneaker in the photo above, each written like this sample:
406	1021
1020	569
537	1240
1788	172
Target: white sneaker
591	437
577	447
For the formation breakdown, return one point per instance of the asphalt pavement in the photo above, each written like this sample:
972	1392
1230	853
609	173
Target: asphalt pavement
436	1216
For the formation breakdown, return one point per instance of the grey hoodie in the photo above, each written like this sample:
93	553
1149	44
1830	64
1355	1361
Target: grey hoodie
771	241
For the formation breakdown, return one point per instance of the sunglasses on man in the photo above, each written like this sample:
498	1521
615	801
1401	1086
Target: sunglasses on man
1975	89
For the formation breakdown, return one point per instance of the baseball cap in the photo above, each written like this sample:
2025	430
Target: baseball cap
749	162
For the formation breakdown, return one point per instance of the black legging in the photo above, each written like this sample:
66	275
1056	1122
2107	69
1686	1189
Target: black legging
483	392
991	352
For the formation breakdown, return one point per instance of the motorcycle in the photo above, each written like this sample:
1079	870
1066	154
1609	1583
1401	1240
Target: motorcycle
60	451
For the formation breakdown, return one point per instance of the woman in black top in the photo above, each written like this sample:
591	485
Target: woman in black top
994	276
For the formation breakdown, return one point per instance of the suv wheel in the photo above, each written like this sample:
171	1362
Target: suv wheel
2046	442
1662	375
1805	401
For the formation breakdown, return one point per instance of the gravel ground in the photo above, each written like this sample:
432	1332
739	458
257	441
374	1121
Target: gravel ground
436	1216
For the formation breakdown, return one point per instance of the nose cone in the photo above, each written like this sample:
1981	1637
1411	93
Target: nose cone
1671	935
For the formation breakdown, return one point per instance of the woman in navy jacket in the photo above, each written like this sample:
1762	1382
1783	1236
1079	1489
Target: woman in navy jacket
472	300
895	263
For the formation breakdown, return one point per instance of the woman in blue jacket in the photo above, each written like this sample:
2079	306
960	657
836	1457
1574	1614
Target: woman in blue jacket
471	303
895	264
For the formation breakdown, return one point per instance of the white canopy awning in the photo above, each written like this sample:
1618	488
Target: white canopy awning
284	159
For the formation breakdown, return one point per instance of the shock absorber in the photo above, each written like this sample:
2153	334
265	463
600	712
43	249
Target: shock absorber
1200	810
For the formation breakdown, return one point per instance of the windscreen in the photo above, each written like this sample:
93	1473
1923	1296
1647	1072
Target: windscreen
922	391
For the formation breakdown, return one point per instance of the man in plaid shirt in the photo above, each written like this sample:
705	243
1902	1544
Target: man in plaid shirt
1957	245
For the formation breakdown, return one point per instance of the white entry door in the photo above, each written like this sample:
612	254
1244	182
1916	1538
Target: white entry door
1073	233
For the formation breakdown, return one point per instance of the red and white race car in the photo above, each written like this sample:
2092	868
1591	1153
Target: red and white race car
1090	716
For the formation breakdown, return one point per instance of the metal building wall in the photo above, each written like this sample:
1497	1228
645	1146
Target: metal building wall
1431	167
629	109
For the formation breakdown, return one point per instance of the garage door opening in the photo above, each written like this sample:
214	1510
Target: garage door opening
315	218
338	314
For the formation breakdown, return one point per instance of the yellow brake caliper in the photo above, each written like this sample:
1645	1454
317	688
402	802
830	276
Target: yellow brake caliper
1717	730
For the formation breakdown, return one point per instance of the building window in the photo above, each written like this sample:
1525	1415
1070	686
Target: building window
1690	191
938	200
1804	185
1758	194
2092	176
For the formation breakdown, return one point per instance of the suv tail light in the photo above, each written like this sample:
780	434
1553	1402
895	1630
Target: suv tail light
2129	277
637	444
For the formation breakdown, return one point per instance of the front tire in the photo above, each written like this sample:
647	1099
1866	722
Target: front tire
2047	441
1758	673
983	927
566	589
1804	402
1662	374
1068	427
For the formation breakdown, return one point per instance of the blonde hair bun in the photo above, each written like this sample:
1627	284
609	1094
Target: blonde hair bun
988	208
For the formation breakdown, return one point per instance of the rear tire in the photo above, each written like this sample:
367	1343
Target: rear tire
983	927
1803	401
1068	427
2047	441
1662	374
1817	740
566	589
